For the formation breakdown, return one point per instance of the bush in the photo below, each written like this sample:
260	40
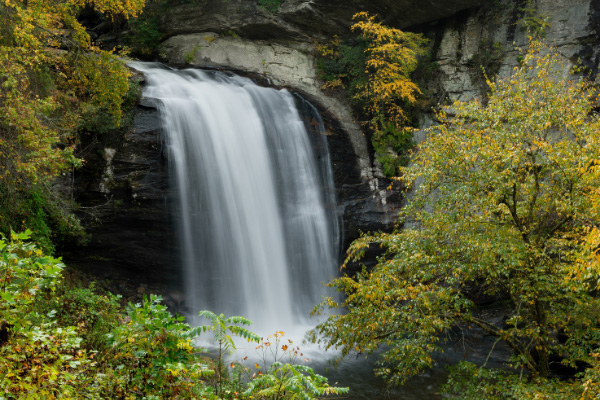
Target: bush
39	358
57	341
289	379
61	341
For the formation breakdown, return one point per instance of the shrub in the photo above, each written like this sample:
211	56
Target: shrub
289	380
57	341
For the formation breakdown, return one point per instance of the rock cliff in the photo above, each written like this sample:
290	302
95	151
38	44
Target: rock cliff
124	200
301	20
465	36
278	50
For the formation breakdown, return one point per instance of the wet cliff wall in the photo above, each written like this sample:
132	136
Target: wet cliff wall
125	183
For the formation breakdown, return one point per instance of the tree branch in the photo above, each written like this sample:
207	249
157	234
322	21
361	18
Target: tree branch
493	330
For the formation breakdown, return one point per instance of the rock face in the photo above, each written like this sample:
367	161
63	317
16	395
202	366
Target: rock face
240	35
302	20
125	184
124	198
364	202
493	36
465	35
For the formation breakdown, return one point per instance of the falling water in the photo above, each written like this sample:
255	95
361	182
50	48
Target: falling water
257	217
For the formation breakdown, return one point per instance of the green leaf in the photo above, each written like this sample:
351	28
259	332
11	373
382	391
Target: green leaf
7	296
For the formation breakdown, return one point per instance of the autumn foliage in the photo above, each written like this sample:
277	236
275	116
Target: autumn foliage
505	207
50	75
392	55
64	342
376	71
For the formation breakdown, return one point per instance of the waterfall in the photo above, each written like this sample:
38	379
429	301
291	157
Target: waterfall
257	220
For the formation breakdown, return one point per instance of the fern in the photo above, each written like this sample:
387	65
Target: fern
220	326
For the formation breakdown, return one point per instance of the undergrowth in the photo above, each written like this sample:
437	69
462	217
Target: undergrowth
59	340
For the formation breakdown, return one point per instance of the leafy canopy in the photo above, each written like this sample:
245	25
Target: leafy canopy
51	75
391	58
46	34
505	199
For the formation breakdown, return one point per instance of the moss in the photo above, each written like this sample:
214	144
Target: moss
191	55
42	211
272	6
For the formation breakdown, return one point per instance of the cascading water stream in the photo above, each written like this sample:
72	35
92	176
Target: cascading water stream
257	211
257	219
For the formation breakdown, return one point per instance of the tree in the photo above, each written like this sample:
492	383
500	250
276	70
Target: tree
392	56
376	69
51	75
506	202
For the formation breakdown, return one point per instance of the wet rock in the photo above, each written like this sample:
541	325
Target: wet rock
364	202
124	196
125	205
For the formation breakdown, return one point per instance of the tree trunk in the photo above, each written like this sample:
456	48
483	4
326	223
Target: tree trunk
541	348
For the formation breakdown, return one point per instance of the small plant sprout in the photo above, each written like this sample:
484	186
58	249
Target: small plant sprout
223	329
286	380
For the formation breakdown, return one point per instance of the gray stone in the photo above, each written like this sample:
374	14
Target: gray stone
125	205
239	35
293	66
468	40
125	200
301	19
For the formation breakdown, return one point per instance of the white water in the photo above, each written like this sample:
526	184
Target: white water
257	218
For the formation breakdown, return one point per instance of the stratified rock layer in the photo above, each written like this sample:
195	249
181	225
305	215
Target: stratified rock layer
301	19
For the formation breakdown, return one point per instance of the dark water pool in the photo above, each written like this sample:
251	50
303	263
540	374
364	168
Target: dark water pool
357	374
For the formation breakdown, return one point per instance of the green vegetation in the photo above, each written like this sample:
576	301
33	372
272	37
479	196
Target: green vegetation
530	20
63	341
507	203
220	326
68	342
144	33
375	69
40	209
286	380
271	6
192	54
51	78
